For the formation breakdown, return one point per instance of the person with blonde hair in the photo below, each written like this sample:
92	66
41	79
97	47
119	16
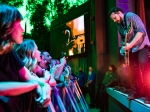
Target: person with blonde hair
30	55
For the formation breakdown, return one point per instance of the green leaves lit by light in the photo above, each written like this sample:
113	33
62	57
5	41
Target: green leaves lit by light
54	8
38	15
57	8
16	3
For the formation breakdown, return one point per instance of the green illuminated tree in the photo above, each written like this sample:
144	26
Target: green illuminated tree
45	11
54	8
16	3
40	33
41	13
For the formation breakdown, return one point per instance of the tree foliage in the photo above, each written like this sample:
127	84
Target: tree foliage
40	33
41	13
16	3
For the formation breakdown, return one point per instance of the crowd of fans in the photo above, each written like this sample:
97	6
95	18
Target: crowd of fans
34	74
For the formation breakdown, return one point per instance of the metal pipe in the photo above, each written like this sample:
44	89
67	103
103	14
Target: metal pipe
71	99
82	95
51	107
74	98
60	103
79	97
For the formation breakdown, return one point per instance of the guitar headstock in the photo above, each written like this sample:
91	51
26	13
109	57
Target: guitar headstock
129	27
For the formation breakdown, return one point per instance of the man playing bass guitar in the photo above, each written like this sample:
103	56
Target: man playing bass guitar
137	46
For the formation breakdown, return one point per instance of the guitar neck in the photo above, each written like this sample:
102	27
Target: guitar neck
126	56
127	41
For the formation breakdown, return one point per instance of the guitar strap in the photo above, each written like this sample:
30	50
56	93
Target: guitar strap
125	21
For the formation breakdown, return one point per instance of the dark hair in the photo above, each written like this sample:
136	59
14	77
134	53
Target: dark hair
8	15
113	67
115	10
42	51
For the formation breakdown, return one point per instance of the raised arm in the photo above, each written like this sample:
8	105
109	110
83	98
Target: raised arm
60	69
43	89
16	88
25	75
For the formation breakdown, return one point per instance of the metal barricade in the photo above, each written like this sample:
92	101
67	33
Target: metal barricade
80	97
58	98
65	94
51	107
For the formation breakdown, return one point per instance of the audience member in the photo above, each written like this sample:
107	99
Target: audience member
46	55
91	86
53	65
13	72
30	55
82	78
109	80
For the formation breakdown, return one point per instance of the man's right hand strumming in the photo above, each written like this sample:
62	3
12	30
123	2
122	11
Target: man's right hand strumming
122	51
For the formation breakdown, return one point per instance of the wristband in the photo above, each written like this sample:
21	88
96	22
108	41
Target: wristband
42	85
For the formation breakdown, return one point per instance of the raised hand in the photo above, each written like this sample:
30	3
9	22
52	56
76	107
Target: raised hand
46	75
43	95
54	70
67	71
122	51
63	60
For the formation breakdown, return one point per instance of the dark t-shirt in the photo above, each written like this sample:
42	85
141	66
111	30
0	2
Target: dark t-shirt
10	64
82	79
93	78
109	77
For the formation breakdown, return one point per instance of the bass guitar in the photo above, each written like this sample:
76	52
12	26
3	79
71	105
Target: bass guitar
126	56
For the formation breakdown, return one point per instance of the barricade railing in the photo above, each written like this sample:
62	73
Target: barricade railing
80	97
51	107
65	96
